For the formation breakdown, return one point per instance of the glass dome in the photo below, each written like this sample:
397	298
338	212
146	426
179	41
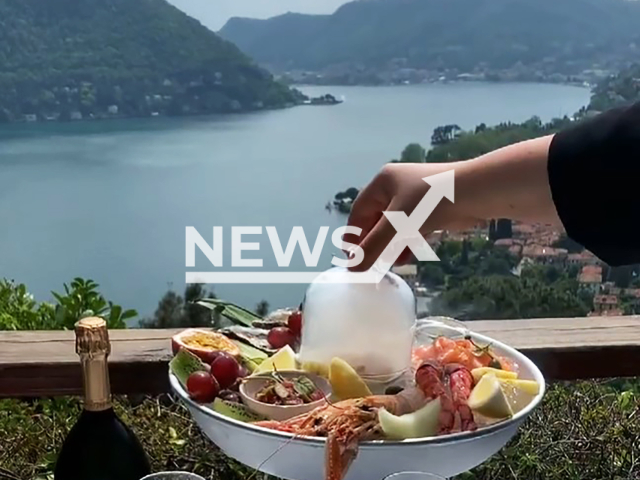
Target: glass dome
368	325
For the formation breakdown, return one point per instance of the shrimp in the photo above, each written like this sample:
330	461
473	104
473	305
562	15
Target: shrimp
433	379
461	383
461	351
346	423
430	379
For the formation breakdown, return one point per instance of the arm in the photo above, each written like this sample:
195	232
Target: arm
511	182
585	178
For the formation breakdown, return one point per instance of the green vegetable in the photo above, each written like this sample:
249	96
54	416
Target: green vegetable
235	313
251	356
184	364
304	387
236	411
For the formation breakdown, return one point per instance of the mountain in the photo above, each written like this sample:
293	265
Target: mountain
79	58
566	36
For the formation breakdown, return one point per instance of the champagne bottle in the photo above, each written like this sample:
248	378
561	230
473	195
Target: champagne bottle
99	446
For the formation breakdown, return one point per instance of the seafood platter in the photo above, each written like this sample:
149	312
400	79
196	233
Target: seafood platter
352	386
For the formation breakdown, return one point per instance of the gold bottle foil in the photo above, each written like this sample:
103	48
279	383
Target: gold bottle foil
92	344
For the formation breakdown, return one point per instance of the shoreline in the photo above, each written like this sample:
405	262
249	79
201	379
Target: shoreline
118	117
447	82
100	118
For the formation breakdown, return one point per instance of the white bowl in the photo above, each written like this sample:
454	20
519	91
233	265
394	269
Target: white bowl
251	385
172	476
282	455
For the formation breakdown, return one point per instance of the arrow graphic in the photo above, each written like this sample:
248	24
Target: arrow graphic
408	227
407	235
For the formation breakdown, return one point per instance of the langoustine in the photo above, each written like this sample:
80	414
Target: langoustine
452	384
349	422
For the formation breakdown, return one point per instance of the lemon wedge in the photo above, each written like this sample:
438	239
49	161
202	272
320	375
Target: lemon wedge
283	359
345	381
528	386
317	368
478	373
489	399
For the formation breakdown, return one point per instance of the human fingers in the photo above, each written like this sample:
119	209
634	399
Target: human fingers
376	240
367	209
405	257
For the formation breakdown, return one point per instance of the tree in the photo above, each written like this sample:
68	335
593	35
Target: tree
174	311
262	308
168	314
431	274
502	297
464	255
82	65
503	229
445	134
493	235
533	123
195	315
413	153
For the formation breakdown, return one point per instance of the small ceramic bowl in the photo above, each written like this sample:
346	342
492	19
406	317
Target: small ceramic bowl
252	385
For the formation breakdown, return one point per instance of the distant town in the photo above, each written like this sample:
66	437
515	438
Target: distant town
532	245
398	74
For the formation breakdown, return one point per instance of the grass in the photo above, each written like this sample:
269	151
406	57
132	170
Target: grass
584	430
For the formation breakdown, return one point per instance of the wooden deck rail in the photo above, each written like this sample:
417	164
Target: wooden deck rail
36	364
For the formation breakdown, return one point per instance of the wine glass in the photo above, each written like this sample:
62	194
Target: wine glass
414	476
172	476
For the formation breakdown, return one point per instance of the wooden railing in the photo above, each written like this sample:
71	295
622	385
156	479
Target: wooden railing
34	364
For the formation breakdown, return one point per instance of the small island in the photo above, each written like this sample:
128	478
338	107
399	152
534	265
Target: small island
326	99
344	200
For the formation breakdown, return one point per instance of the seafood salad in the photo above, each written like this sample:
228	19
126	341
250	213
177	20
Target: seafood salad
456	385
296	391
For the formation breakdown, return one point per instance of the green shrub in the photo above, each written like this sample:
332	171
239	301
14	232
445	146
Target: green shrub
20	311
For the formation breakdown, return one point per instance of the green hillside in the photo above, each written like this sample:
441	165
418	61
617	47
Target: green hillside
121	57
619	89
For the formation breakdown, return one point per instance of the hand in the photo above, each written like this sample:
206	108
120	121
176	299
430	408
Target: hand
399	187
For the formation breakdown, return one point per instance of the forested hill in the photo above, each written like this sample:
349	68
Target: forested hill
567	35
121	57
619	89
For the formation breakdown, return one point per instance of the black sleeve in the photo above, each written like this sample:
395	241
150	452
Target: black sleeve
594	175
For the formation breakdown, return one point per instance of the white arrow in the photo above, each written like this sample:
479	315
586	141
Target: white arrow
408	227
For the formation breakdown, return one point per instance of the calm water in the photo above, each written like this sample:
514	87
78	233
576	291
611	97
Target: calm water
111	200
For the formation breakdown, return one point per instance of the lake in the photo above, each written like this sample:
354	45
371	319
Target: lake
110	200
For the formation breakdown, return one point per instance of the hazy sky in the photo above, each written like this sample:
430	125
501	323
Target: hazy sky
214	13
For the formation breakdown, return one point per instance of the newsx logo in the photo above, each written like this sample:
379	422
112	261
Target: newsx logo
407	235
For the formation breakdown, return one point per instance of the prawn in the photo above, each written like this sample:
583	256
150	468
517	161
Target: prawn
347	423
461	351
